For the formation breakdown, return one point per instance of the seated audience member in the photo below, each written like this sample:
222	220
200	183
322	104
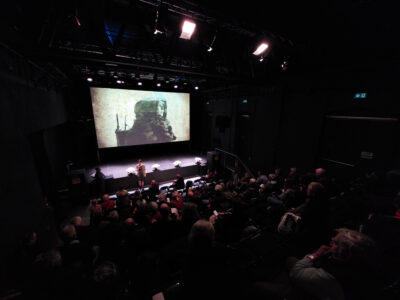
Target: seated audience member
245	179
278	177
261	178
154	190
124	206
177	201
344	270
96	212
108	204
293	175
47	279
82	231
321	176
180	183
105	282
73	252
190	215
314	214
205	260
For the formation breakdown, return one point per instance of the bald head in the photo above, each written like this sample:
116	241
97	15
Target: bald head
320	172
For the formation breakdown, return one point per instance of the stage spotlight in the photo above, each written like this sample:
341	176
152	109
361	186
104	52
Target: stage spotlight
187	29
119	81
261	48
175	86
210	49
90	79
261	59
158	84
139	83
196	87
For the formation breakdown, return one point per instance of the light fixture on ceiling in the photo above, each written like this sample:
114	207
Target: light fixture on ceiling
90	79
261	59
210	48
175	86
78	22
139	83
157	29
119	81
261	49
196	87
187	29
158	84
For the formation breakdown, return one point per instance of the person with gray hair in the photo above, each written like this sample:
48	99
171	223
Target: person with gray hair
206	259
346	267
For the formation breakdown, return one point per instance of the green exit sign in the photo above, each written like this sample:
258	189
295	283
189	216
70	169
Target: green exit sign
360	96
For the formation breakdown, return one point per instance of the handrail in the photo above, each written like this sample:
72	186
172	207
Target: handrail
238	159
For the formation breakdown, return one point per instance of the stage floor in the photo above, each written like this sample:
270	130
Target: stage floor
119	169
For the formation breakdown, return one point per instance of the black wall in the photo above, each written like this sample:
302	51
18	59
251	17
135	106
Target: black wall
284	125
27	115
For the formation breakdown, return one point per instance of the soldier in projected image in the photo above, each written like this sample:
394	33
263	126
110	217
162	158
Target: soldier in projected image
150	126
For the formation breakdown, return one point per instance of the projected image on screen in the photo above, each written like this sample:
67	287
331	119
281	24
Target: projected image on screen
131	117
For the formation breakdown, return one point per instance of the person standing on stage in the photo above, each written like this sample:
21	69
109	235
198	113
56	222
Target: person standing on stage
141	173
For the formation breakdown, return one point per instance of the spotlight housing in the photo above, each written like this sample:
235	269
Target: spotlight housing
187	29
261	49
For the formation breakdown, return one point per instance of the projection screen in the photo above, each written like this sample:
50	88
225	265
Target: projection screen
133	117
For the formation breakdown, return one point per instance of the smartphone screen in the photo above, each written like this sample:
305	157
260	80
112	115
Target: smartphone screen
215	213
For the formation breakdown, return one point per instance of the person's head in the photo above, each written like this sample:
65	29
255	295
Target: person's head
153	182
353	247
113	216
202	235
105	279
129	222
320	172
68	233
139	161
77	221
49	260
292	171
218	188
98	169
106	197
315	190
190	212
30	239
165	210
190	193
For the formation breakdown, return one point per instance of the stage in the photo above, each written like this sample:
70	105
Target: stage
117	175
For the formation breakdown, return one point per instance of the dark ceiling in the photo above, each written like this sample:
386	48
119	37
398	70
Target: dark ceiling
111	40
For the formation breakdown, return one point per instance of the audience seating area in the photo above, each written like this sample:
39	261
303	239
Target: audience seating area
222	237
